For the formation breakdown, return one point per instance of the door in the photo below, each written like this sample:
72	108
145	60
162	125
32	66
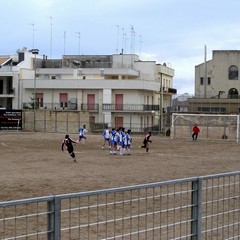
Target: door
119	102
118	122
39	98
92	123
63	98
91	101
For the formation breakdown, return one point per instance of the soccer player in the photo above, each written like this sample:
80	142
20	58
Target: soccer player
121	143
106	137
127	142
146	141
67	142
113	141
82	131
195	130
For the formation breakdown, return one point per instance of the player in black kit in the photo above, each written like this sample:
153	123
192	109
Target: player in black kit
67	142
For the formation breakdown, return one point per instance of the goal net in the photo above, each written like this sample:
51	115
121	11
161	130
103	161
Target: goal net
212	126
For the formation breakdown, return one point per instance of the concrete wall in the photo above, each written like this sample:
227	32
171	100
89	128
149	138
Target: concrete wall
55	121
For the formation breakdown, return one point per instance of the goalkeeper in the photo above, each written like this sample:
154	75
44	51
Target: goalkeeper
196	131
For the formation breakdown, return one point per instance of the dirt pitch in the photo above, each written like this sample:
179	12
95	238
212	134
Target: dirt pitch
33	165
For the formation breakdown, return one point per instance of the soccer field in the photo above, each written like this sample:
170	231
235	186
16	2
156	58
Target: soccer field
33	165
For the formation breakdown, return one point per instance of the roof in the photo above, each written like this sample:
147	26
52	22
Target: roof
4	60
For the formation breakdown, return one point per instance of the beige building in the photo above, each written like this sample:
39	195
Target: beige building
118	89
217	84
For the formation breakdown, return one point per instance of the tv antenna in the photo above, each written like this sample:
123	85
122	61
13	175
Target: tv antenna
140	45
79	40
132	44
33	35
51	28
117	37
64	42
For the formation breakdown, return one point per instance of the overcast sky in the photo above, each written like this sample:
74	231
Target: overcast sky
170	31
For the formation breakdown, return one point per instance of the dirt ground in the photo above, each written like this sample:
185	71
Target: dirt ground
33	165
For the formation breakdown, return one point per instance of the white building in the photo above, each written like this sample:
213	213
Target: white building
116	89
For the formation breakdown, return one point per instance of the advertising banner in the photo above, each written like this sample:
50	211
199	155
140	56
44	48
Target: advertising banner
10	119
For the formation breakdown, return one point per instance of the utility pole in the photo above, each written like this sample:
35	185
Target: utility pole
205	71
35	52
161	104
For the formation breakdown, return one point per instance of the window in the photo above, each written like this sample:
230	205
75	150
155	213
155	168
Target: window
212	109
208	80
233	72
233	93
102	72
202	80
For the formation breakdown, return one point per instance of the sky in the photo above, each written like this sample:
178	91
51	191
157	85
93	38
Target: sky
174	32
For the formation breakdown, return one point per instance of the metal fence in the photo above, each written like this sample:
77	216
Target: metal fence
205	207
70	121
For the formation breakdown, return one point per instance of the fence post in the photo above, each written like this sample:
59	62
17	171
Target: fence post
67	119
196	210
45	119
54	219
55	121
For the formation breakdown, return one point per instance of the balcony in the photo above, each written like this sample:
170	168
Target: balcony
169	90
94	107
90	107
9	93
130	107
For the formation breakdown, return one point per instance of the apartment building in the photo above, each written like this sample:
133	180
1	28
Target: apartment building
118	89
217	85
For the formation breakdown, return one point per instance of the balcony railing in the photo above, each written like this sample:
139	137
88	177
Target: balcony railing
90	107
52	106
130	107
94	107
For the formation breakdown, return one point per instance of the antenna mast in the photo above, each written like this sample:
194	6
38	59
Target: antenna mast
132	44
140	45
117	37
33	30
79	40
64	42
51	24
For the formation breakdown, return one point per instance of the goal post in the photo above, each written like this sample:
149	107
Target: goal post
212	126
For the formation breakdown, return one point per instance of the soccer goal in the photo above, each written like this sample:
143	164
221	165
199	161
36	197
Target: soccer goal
212	126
